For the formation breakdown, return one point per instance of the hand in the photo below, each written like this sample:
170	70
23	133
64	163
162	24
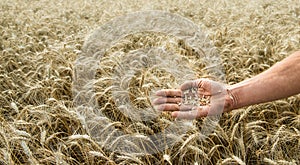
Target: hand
206	97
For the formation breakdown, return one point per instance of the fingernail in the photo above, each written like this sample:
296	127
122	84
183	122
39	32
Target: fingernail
155	101
174	114
158	93
158	108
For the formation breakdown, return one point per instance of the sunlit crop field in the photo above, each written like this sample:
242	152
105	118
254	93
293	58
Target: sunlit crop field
41	40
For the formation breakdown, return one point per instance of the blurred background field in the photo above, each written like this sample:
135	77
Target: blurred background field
40	41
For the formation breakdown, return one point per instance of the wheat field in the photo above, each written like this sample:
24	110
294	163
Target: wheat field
41	40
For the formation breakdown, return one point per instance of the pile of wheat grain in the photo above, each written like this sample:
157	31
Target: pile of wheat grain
40	41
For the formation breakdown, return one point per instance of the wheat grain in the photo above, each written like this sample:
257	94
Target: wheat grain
75	137
238	160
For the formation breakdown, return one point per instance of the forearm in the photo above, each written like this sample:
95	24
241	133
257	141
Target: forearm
280	81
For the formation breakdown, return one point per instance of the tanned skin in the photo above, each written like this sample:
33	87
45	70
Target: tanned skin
280	81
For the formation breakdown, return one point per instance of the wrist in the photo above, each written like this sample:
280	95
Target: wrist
231	100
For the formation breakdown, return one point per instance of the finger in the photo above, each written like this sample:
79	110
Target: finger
169	93
203	86
189	84
204	92
201	111
209	87
173	107
163	100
